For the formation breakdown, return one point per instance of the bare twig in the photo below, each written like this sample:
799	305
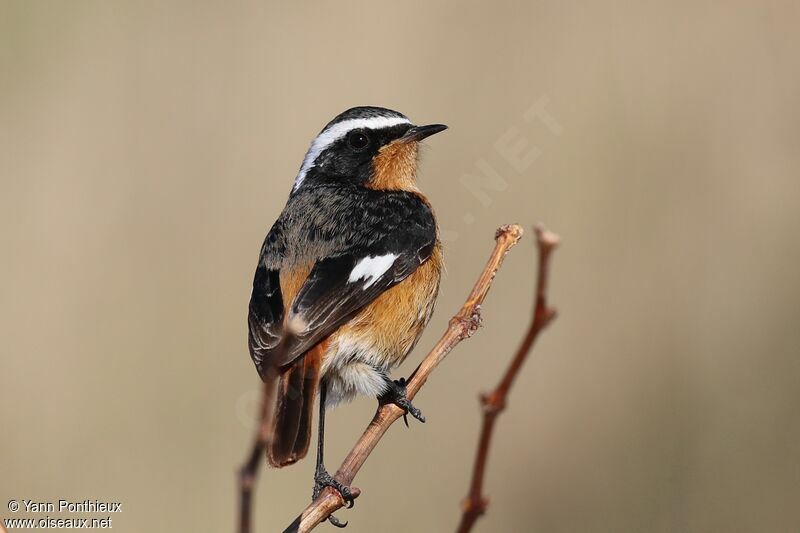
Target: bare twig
249	470
461	326
494	402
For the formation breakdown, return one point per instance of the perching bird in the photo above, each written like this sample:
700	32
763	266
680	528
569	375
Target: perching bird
347	277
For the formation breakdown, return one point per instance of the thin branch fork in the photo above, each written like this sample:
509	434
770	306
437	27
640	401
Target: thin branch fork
248	473
461	326
494	402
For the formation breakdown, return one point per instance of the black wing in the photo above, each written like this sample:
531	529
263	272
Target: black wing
338	287
372	241
265	316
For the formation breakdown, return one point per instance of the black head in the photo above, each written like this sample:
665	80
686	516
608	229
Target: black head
345	148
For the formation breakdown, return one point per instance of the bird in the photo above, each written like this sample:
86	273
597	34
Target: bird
346	280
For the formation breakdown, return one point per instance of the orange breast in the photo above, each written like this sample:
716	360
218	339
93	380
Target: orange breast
390	326
395	168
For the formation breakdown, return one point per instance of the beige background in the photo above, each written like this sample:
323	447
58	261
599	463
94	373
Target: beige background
146	147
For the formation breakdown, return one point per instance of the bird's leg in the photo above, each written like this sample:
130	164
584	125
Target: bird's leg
396	394
322	478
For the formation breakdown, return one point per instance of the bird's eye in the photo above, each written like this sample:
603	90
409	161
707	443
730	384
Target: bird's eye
357	140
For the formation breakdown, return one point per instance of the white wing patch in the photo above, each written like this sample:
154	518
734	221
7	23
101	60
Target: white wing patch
336	132
371	268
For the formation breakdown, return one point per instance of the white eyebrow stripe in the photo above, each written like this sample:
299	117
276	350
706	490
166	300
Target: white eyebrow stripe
336	132
371	268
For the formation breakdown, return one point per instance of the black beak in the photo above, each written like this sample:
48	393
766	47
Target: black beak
417	133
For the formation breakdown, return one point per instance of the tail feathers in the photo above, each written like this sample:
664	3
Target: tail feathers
294	410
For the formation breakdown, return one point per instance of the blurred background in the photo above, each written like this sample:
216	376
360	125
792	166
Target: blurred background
146	148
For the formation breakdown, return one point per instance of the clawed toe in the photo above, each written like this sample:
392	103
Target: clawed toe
396	394
323	479
335	522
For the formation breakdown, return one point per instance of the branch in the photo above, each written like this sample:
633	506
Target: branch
494	402
249	470
461	326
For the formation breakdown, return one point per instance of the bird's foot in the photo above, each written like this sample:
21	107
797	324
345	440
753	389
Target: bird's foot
396	394
323	479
